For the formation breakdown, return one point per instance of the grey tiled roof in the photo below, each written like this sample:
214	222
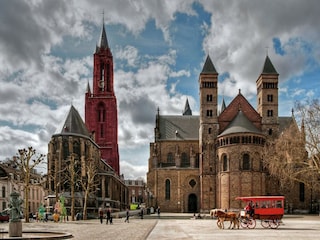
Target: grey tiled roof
240	124
285	122
179	127
268	67
73	124
208	66
187	109
103	41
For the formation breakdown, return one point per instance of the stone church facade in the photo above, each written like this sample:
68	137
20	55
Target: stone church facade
78	148
198	163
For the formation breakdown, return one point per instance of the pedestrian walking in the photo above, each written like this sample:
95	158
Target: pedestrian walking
141	213
127	216
101	215
109	217
158	211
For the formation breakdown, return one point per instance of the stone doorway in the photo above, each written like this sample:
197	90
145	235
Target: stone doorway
192	203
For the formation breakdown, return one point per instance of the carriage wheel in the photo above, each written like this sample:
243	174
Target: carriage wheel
265	223
274	223
251	223
244	222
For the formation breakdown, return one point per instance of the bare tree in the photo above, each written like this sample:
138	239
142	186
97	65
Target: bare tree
26	161
310	114
88	182
294	155
73	176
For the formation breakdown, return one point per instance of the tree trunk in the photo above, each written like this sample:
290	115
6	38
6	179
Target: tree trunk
72	202
26	200
72	173
86	193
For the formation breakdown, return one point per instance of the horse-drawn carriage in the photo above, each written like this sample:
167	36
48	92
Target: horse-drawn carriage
268	209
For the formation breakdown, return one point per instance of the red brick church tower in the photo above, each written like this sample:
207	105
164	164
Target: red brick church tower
101	104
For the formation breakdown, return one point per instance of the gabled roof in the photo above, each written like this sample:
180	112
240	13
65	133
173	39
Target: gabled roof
230	112
179	127
240	124
285	122
208	66
73	124
187	109
268	67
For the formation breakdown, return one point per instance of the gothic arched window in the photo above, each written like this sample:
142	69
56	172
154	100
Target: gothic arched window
76	148
185	162
167	187
170	158
101	119
65	146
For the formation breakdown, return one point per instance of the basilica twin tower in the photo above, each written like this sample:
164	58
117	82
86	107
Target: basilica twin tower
202	162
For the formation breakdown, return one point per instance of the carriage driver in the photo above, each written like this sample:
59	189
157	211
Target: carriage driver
249	209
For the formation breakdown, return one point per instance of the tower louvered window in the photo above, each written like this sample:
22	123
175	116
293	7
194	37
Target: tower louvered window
269	113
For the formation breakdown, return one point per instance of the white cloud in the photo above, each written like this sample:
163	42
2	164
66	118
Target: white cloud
130	54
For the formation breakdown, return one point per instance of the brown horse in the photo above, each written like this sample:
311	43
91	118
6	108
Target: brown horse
225	216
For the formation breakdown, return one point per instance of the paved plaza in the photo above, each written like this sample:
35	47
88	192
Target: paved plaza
178	226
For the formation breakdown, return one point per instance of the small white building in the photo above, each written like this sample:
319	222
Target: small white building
10	181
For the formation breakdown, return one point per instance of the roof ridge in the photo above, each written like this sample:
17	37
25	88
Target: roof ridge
73	124
240	123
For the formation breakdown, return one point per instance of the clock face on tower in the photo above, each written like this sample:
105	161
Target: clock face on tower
101	85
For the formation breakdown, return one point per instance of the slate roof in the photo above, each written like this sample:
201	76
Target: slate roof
187	127
208	66
240	124
285	122
73	124
187	109
268	67
103	41
179	127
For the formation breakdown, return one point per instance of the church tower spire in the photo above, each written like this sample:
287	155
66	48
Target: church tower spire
187	109
101	104
208	131
267	96
103	40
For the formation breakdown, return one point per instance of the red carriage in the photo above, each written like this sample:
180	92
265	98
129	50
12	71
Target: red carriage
268	209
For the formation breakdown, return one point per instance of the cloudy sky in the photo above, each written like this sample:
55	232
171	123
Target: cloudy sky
159	47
